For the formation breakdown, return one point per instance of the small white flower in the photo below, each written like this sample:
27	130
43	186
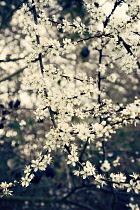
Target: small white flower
98	179
135	176
27	169
105	166
88	170
133	186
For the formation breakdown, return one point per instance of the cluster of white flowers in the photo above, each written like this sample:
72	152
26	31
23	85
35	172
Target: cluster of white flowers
119	179
118	25
52	72
79	26
38	164
95	12
133	11
88	170
25	181
132	110
34	81
66	26
67	96
128	63
73	157
100	179
77	96
117	115
73	100
44	20
133	206
58	137
83	131
134	186
30	27
41	164
4	186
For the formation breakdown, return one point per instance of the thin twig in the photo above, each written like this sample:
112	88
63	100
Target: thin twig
12	75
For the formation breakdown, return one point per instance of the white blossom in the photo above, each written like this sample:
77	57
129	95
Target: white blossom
88	170
105	166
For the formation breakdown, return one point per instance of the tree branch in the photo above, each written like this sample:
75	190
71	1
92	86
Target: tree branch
12	75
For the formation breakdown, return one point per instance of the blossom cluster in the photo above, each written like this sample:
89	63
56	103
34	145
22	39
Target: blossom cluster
6	188
38	164
95	12
80	99
77	105
87	170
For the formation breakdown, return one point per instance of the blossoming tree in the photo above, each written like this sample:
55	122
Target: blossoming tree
73	91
